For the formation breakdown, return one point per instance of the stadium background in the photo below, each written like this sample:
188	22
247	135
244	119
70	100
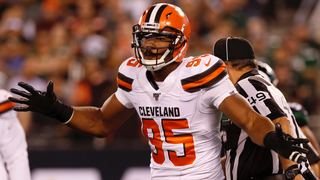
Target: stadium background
79	44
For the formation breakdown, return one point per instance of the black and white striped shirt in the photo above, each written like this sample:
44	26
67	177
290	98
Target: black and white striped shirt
245	159
302	118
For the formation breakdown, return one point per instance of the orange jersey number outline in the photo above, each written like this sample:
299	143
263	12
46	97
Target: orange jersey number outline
185	139
133	62
196	61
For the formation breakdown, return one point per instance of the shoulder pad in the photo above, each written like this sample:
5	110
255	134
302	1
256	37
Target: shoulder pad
126	72
202	72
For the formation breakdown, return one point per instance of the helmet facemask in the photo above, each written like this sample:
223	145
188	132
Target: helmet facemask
153	56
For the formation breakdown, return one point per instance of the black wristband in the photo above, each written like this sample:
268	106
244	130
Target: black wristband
292	167
270	140
291	172
62	112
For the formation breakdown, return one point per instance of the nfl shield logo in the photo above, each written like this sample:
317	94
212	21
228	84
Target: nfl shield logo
156	96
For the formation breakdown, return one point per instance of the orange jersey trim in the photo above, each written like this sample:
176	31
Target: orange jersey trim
6	106
206	79
124	84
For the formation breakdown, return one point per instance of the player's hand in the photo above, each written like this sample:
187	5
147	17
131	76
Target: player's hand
35	100
288	147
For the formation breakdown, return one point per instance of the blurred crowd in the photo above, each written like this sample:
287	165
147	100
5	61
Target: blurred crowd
79	45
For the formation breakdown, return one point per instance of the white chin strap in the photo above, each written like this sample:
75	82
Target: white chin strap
154	68
154	65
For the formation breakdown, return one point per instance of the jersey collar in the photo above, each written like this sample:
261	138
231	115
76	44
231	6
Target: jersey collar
248	74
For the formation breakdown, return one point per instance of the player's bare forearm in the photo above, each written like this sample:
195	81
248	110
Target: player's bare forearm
242	114
89	121
258	127
100	122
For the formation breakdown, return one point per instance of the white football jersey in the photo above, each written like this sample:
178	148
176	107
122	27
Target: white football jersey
14	163
180	115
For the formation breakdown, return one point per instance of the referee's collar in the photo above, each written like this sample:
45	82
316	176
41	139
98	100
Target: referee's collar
247	74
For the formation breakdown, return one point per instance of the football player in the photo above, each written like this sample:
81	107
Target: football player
179	101
14	162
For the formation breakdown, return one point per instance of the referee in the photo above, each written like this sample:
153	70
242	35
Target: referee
302	118
244	159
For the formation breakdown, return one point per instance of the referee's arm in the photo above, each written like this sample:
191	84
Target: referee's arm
287	128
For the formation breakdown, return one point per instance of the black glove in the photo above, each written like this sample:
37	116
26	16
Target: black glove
45	103
285	145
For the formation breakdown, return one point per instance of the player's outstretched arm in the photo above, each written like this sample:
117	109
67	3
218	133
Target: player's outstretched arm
100	122
261	130
91	120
